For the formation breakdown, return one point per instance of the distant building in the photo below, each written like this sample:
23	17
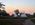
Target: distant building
23	15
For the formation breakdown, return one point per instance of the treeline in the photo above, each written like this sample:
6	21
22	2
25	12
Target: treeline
4	13
29	15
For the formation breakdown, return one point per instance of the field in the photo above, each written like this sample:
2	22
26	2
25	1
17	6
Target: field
7	20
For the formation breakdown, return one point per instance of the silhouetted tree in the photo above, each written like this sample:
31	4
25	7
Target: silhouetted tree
3	12
1	5
28	15
16	11
34	14
0	12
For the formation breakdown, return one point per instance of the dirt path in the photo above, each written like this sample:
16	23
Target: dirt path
28	22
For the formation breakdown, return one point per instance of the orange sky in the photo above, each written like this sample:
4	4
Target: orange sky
27	6
10	9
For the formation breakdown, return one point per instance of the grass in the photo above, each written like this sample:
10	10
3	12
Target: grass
10	22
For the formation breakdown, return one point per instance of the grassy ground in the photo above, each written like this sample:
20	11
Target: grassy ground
11	22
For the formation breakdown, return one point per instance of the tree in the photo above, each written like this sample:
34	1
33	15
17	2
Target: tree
0	12
3	12
34	14
16	11
1	5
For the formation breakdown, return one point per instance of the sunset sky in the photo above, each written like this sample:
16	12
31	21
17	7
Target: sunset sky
27	6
